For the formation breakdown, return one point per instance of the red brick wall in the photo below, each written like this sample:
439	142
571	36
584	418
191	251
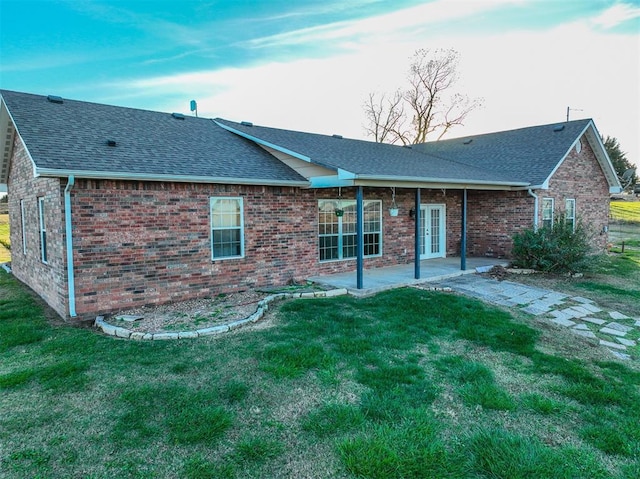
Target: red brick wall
580	177
492	219
47	280
139	243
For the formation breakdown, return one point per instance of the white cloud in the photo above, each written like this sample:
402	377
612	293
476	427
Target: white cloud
526	77
616	15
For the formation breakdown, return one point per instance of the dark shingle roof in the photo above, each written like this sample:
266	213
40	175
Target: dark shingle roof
526	154
72	137
368	159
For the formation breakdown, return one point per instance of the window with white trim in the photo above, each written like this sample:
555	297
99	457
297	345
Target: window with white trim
24	234
227	228
43	230
337	234
547	212
570	212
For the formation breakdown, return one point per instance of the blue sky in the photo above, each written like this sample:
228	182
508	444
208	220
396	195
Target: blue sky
309	65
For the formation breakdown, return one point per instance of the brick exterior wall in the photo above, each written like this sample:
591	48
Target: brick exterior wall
493	217
148	243
580	177
47	280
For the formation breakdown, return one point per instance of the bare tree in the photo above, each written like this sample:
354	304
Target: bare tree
426	108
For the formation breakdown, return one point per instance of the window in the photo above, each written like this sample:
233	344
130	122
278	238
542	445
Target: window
337	234
24	234
547	212
43	231
570	212
227	228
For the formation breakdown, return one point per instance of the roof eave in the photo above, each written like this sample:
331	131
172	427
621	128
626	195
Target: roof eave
599	151
114	175
459	182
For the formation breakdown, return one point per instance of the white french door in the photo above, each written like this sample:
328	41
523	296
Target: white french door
433	242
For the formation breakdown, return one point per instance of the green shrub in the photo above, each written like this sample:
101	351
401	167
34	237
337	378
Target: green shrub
559	249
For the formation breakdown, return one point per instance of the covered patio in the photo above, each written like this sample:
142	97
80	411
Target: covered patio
380	279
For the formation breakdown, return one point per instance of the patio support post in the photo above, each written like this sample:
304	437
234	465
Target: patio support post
463	232
359	239
417	220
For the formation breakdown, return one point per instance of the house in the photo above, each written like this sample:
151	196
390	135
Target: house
113	208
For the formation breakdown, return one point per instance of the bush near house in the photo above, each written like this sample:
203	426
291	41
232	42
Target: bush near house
559	249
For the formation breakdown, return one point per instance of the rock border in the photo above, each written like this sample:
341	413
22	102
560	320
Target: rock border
263	307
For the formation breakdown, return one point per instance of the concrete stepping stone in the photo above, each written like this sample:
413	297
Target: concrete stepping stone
562	314
619	327
591	308
581	311
535	310
593	320
581	327
612	332
626	342
563	322
617	315
586	334
580	299
620	355
638	323
609	344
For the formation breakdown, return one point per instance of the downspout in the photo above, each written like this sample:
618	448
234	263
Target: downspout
67	221
535	208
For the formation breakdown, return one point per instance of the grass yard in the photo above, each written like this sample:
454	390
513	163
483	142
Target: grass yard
5	242
405	384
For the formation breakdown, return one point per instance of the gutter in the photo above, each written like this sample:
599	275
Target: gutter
535	208
68	231
113	175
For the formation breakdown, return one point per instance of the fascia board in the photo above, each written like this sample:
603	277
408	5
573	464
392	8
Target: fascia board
329	182
346	175
260	141
113	175
457	181
6	119
591	133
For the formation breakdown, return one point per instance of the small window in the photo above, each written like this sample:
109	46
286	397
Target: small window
547	212
43	230
337	234
570	212
24	234
227	228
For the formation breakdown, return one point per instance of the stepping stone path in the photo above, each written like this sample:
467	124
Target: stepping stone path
611	329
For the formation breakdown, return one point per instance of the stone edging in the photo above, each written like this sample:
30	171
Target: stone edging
263	306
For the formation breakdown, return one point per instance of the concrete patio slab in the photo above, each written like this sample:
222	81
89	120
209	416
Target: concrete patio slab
381	279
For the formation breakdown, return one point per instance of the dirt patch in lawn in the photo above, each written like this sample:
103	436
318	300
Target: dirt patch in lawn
189	315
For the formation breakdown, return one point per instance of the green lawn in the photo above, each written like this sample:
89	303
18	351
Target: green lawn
5	242
405	384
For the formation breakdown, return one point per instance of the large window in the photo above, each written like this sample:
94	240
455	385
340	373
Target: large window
43	230
227	228
337	234
547	212
570	212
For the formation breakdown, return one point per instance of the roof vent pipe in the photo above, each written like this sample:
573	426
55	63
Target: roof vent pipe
467	142
246	123
55	99
337	136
